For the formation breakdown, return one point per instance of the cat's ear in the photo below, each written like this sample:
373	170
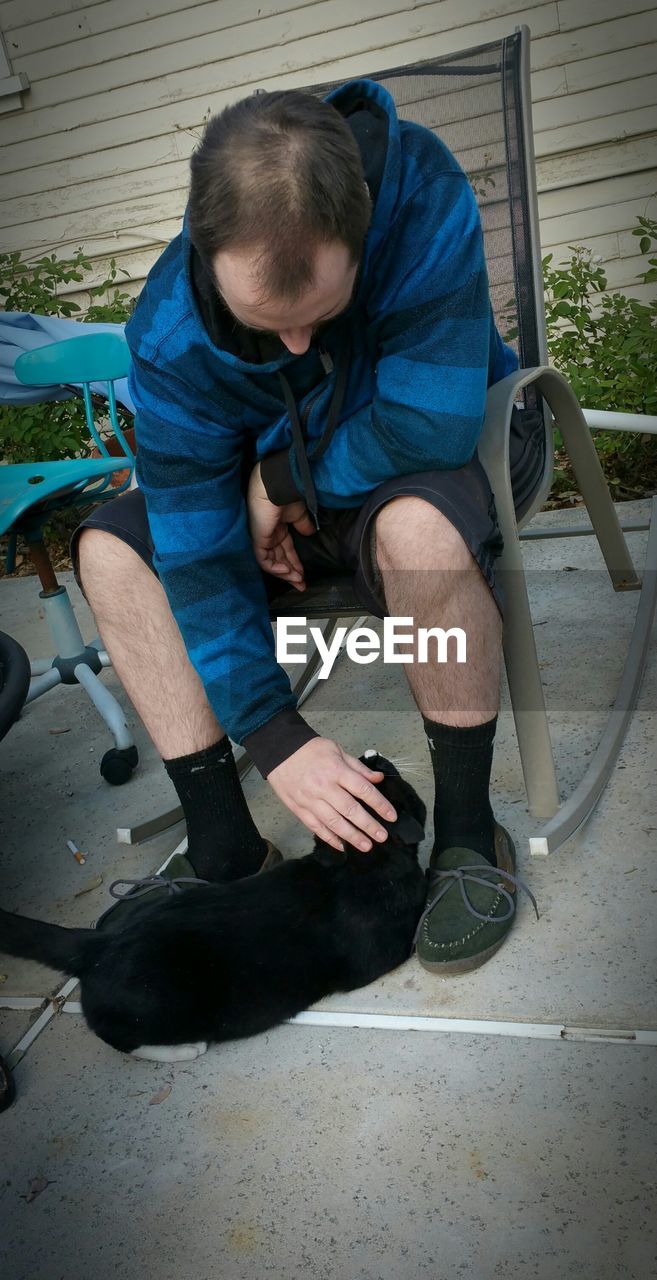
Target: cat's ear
374	760
407	829
327	856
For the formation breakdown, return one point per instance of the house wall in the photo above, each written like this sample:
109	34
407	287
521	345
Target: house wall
119	90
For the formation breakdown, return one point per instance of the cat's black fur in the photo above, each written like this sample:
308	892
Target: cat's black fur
223	961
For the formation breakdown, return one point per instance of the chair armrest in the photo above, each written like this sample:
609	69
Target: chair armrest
568	415
493	447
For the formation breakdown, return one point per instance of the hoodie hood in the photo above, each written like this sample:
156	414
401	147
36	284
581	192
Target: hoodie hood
370	112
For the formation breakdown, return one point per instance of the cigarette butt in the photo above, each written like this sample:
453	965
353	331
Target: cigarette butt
79	857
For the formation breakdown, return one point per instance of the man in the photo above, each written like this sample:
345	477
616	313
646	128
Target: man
310	364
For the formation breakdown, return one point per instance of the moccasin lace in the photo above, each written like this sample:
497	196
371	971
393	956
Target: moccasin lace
476	874
137	888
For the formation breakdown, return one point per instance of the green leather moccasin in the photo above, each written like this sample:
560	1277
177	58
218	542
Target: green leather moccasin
177	877
470	907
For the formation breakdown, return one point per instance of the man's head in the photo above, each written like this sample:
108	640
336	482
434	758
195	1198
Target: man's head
279	210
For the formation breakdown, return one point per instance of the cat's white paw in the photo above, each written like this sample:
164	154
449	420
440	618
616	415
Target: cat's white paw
171	1052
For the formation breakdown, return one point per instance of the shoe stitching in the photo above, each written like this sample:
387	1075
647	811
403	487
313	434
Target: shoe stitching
457	942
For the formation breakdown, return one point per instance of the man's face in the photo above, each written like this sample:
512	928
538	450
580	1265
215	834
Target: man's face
235	273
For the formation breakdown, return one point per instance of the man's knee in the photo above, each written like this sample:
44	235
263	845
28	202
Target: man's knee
413	534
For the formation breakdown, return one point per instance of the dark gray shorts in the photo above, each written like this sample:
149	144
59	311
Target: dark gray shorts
344	544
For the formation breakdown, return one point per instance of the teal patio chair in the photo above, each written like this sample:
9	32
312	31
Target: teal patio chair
30	493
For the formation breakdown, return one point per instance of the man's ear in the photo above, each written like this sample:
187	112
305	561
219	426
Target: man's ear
327	856
407	829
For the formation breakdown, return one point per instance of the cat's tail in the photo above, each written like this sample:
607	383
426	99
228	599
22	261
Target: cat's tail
65	949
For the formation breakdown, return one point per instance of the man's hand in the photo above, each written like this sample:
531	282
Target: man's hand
322	785
270	533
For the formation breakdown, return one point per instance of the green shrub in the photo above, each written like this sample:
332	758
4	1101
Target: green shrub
608	354
58	429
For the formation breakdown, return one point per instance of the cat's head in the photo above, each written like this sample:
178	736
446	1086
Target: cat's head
407	830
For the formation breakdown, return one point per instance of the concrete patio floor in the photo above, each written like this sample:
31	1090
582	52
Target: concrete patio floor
346	1150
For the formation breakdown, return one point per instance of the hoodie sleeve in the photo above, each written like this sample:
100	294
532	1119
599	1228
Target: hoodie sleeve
432	320
189	469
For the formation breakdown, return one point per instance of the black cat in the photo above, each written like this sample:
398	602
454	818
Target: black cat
221	961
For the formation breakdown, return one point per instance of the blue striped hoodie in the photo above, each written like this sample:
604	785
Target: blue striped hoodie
419	348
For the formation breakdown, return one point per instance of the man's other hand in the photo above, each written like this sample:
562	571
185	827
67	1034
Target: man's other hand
323	786
270	532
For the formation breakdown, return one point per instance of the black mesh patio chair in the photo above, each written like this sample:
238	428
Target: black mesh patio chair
479	103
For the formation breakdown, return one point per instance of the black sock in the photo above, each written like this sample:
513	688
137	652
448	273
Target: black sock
462	760
223	840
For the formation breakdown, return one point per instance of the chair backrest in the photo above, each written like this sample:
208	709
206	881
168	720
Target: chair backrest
80	361
479	104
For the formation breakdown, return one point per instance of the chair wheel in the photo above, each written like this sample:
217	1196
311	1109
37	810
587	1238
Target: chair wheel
14	681
7	1086
117	765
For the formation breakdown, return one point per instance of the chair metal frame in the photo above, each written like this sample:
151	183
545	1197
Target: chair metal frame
521	659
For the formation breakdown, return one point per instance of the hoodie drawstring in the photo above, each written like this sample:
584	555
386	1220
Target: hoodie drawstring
303	457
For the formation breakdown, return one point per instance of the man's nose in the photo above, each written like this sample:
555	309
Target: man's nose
296	340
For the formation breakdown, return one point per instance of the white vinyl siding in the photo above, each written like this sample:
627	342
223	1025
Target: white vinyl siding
119	89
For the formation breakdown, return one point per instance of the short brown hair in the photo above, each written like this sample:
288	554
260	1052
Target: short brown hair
282	172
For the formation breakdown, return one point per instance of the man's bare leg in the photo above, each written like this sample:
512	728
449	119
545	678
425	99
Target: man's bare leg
147	651
430	575
148	654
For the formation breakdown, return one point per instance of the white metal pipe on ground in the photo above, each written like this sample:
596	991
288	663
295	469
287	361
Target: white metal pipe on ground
467	1026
